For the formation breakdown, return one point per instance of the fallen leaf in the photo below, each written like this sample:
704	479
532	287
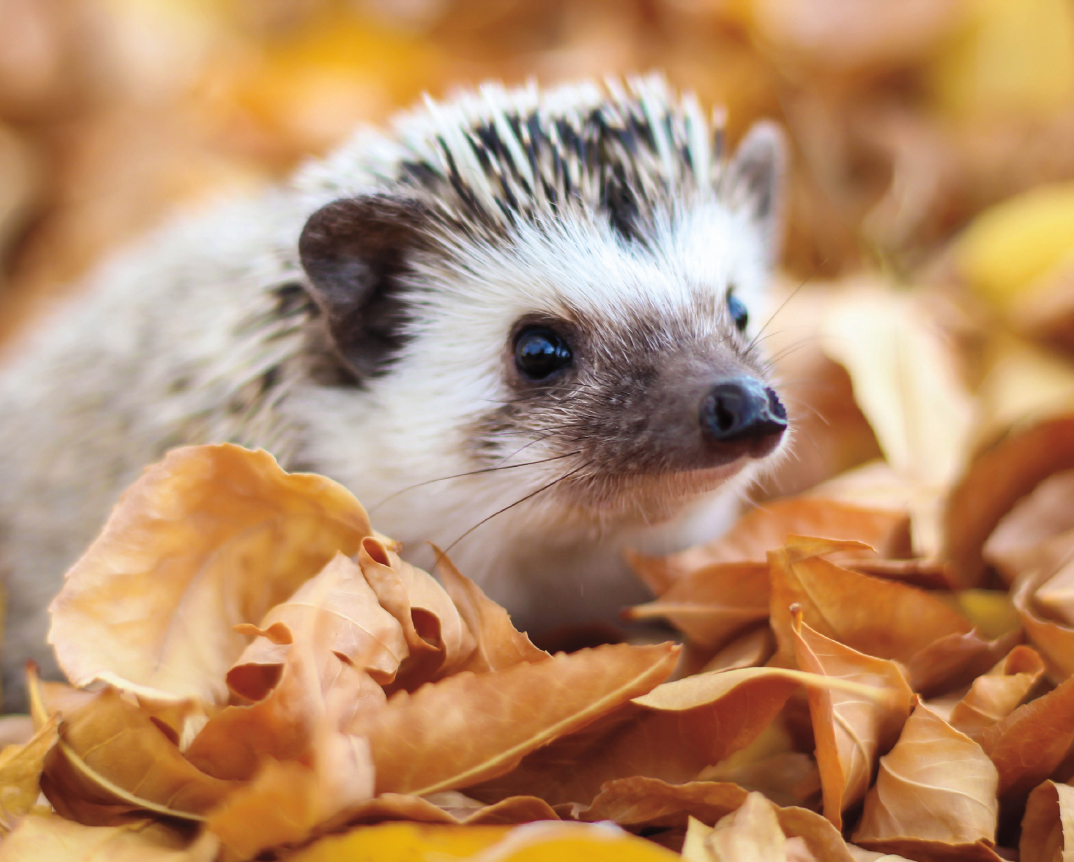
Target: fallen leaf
20	772
994	481
288	802
499	644
1028	744
850	731
907	383
767	527
340	606
210	537
438	639
954	660
316	688
996	694
871	615
112	760
650	802
751	832
711	605
50	838
671	734
473	727
923	808
1054	640
1048	824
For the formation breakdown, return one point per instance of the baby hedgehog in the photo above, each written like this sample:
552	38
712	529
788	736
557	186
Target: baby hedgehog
520	325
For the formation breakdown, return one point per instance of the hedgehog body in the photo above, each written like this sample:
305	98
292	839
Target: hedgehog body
515	326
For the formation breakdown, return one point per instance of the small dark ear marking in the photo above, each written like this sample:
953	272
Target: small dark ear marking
755	180
354	251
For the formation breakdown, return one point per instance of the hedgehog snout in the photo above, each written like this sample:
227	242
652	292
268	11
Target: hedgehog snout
743	413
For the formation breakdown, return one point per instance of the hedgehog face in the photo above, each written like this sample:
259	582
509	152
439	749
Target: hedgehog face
583	335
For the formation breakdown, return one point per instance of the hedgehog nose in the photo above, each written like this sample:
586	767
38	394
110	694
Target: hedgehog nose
744	411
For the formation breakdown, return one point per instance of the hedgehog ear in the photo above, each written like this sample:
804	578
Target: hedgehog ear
354	251
755	181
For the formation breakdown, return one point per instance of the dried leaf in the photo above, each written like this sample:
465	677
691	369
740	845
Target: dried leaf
907	383
48	838
499	644
210	537
20	772
469	728
850	731
712	604
315	689
438	639
996	694
870	615
752	832
767	527
1054	640
1048	824
341	607
288	802
649	802
921	807
1032	741
993	482
112	760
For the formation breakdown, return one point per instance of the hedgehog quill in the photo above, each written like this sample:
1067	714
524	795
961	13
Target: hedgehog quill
520	324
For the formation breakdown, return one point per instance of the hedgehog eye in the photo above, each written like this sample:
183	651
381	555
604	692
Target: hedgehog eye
540	352
737	309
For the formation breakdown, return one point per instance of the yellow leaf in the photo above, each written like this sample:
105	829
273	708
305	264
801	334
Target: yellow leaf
49	838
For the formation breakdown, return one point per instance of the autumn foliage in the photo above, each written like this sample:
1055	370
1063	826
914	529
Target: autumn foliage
876	662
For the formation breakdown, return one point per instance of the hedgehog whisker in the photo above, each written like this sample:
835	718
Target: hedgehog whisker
529	496
773	315
472	473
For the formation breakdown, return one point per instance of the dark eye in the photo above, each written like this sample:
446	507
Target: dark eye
540	352
737	309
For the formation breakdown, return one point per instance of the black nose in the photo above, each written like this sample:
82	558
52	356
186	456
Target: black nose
742	411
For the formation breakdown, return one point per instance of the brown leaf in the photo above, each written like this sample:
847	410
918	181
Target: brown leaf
712	604
289	802
992	484
767	527
850	731
499	644
871	615
953	660
1032	741
996	694
671	734
438	639
1048	824
908	384
641	801
923	808
49	838
112	759
210	537
468	728
316	689
1037	533
750	832
1054	640
341	607
20	772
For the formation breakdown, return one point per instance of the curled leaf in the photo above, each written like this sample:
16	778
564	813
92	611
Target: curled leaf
923	808
210	537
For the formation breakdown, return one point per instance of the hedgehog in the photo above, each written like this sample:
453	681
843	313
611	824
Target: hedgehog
521	325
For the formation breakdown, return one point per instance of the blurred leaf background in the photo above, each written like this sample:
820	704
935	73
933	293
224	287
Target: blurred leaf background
907	117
